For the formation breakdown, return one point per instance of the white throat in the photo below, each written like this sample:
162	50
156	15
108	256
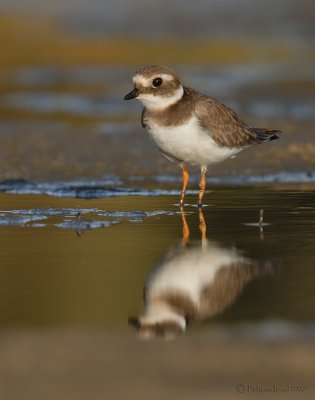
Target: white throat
158	312
152	102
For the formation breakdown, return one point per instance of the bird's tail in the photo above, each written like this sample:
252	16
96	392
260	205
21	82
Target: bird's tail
266	135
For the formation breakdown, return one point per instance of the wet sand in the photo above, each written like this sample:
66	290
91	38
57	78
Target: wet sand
37	152
98	364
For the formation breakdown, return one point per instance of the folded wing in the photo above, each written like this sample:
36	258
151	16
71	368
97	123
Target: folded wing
226	128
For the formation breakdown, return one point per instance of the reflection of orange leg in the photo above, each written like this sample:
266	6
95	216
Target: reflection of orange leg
202	186
185	177
185	229
261	224
202	224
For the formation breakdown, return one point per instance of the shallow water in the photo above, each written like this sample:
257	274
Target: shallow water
75	262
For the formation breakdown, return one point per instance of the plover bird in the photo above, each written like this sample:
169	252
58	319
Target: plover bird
194	283
189	127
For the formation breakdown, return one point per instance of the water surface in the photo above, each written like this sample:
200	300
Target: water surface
75	262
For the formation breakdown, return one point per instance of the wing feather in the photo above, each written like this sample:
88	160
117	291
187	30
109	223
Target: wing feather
226	128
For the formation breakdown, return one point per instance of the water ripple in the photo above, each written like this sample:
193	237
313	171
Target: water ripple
74	218
82	189
111	187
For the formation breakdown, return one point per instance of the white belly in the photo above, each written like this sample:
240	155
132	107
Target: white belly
191	270
189	143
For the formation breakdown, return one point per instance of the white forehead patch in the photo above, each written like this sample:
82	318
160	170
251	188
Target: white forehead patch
146	81
140	79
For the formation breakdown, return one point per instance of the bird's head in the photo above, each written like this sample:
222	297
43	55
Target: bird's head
156	87
166	329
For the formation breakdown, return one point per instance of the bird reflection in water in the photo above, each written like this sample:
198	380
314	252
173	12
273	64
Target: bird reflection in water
192	283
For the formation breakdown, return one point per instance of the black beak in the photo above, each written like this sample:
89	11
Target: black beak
132	95
134	321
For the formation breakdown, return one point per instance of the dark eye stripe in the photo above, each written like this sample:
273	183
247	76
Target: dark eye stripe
157	82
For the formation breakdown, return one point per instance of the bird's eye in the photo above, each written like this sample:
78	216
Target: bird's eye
157	82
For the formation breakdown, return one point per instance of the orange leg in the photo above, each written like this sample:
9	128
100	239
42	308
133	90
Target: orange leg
185	177
202	225
185	229
202	186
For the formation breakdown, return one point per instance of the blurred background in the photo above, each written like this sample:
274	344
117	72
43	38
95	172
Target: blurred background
66	65
65	296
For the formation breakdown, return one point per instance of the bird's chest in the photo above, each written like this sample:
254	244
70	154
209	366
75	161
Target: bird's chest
190	271
179	143
188	143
